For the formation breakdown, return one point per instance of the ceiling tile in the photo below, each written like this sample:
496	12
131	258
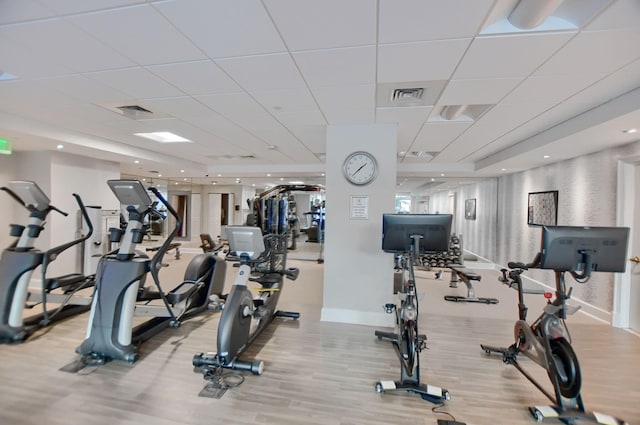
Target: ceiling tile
196	78
435	136
552	89
286	100
308	25
409	122
223	28
20	11
620	14
431	60
233	106
137	83
345	97
56	43
266	72
140	33
83	89
66	7
501	56
593	52
422	20
355	65
477	92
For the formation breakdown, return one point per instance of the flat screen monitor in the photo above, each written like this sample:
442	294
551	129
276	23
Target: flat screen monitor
565	248
245	240
30	193
397	230
130	192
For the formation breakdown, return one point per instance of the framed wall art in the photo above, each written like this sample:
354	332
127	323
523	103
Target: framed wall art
470	209
542	208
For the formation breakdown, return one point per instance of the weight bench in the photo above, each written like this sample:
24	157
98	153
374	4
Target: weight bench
467	276
174	245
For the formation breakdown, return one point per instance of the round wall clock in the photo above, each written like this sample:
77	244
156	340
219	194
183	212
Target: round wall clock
360	168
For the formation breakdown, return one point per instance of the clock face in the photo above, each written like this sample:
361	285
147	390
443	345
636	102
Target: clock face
360	168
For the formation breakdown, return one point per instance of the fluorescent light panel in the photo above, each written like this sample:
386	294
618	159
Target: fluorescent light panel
163	137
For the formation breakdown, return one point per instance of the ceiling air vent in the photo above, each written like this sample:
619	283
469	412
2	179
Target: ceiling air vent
134	111
407	95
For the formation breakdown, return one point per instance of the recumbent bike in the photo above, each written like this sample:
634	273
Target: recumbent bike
262	260
579	251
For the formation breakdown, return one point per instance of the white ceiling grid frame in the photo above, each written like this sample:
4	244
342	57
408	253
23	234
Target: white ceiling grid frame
264	72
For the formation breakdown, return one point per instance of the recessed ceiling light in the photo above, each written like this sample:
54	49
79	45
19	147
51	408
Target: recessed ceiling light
219	175
547	156
281	179
163	137
159	175
503	169
182	171
136	162
630	131
442	175
60	147
185	179
296	182
268	174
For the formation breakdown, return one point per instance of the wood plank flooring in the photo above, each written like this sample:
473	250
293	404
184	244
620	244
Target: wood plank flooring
315	372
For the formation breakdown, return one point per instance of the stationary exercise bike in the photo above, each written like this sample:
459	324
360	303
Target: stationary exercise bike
579	251
262	260
404	232
120	292
21	258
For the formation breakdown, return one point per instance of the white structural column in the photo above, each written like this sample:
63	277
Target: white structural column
358	275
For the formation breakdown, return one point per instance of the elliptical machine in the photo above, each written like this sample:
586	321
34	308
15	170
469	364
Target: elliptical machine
579	251
120	293
262	260
21	258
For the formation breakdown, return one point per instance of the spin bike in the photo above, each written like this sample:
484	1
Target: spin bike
547	340
262	260
406	340
21	258
120	292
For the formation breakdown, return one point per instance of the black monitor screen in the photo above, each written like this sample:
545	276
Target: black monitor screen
397	230
564	248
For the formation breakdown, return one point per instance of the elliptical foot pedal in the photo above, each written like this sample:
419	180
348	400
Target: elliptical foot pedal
212	390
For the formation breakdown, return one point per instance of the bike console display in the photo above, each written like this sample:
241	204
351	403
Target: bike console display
434	231
245	240
586	249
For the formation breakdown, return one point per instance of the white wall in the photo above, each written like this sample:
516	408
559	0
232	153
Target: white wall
358	275
8	206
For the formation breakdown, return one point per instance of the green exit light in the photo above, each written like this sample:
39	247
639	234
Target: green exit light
5	147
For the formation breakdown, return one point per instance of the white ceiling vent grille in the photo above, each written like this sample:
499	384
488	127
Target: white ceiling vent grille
407	95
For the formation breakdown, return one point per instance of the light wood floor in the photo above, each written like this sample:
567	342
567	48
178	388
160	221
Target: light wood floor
316	372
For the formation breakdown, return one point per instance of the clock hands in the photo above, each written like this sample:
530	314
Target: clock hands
356	172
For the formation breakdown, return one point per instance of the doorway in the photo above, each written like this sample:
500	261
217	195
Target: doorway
181	202
626	308
220	212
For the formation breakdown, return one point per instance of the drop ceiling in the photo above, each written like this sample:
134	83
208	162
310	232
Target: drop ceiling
254	84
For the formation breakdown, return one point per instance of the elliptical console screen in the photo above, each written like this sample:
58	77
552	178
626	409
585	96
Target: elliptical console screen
130	192
30	193
571	248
